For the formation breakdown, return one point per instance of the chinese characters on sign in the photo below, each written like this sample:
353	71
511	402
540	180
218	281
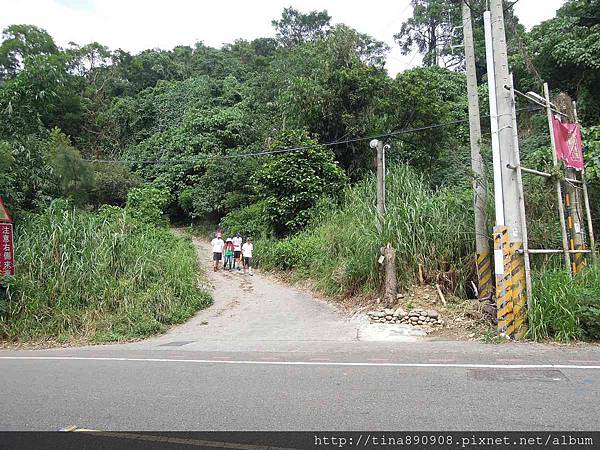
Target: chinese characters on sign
7	256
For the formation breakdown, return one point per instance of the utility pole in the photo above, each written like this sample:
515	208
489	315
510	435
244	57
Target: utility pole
558	187
574	221
586	203
508	235
377	144
484	263
388	253
505	133
573	197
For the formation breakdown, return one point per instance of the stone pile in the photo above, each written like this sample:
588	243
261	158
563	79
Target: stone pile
414	317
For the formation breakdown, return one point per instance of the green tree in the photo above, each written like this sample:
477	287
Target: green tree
74	177
565	52
436	96
8	188
332	87
112	182
147	204
218	187
431	30
295	27
435	27
292	183
41	95
20	42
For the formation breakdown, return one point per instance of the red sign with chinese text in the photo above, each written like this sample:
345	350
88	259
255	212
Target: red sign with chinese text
567	138
7	254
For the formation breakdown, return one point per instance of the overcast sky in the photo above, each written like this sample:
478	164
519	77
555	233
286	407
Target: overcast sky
135	25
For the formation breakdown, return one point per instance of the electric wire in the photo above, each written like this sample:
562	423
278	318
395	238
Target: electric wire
201	158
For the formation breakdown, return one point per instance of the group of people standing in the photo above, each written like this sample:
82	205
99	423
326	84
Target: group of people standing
233	251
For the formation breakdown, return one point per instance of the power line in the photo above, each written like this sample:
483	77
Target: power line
202	158
479	11
506	8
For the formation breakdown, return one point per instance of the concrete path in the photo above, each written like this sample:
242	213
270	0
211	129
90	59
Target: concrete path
252	312
256	313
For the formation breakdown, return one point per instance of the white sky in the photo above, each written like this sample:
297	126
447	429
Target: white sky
135	25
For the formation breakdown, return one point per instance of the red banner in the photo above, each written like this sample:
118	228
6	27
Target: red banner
7	254
567	137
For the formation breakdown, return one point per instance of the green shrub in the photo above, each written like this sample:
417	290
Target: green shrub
99	277
249	221
295	252
112	182
588	284
147	204
292	183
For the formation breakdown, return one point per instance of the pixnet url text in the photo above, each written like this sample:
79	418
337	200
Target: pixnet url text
446	440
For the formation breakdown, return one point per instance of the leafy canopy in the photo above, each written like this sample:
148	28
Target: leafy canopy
292	183
296	28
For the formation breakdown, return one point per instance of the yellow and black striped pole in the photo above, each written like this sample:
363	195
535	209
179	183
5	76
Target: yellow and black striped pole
484	275
574	228
502	265
511	298
518	290
482	244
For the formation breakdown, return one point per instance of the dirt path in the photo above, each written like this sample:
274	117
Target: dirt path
256	311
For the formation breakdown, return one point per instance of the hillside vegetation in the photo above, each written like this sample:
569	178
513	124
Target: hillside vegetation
99	277
269	137
428	228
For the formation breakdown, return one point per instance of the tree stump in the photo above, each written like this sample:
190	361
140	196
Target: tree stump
389	265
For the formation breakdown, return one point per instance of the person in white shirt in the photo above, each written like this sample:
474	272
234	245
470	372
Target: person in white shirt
247	254
217	247
237	251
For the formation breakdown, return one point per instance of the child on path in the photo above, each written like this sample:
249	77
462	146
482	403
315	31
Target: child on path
237	251
247	254
228	254
217	245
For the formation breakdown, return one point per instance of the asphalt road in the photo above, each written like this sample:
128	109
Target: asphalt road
268	357
175	392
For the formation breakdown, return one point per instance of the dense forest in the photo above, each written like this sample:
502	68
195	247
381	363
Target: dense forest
203	134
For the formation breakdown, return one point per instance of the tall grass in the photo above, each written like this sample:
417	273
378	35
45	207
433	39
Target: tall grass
429	229
565	308
98	277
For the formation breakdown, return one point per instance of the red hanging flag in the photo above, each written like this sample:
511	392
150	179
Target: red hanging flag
567	137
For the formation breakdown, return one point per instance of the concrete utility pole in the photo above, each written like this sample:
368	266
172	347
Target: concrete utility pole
377	144
505	134
484	263
508	235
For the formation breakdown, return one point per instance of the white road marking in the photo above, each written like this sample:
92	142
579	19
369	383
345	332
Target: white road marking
305	363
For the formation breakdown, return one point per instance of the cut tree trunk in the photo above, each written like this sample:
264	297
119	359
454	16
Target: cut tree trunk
389	263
